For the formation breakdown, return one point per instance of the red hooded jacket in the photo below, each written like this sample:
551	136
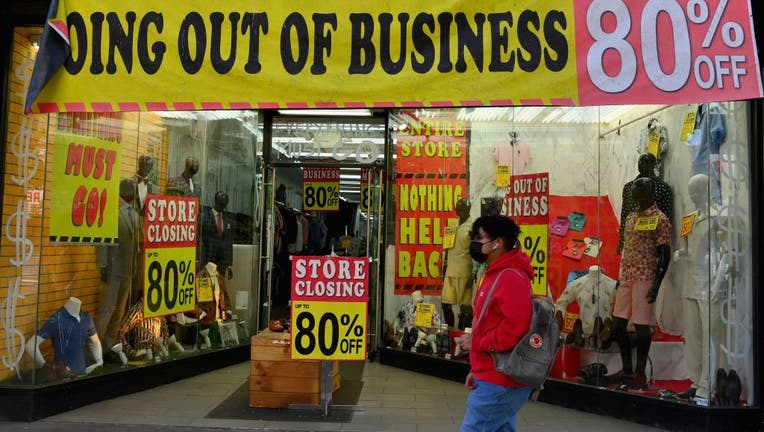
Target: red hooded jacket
507	317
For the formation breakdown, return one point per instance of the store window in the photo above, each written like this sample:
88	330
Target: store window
568	175
129	238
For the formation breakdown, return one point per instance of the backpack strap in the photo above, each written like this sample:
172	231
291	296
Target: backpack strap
490	293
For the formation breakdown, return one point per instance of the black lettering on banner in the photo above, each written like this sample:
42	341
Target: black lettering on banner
150	66
556	41
192	65
445	19
323	41
294	21
362	51
76	59
96	64
528	40
254	23
392	67
223	66
500	42
120	40
422	43
472	41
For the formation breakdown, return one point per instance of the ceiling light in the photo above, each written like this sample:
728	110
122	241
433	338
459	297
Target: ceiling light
327	112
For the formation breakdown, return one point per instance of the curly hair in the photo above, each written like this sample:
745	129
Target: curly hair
497	226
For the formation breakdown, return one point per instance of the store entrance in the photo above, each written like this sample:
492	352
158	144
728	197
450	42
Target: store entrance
324	196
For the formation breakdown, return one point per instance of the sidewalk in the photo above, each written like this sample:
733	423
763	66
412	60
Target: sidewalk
392	399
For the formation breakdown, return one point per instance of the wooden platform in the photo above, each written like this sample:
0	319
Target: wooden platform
276	381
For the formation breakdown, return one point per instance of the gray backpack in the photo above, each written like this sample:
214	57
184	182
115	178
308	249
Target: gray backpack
530	361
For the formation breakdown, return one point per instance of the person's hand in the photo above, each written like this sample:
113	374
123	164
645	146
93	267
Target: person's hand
469	382
680	254
466	341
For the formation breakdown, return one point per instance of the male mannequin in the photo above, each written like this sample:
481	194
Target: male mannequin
217	246
143	183
457	280
218	308
646	257
662	195
184	184
68	328
118	264
700	249
594	293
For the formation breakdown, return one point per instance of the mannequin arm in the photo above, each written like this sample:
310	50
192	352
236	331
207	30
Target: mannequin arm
95	349
33	350
664	259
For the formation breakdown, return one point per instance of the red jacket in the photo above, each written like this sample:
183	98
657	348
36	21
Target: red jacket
507	317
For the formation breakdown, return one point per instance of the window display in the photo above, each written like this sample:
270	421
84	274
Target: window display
645	253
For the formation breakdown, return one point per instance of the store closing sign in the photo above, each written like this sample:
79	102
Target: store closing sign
329	307
118	56
85	203
527	203
170	255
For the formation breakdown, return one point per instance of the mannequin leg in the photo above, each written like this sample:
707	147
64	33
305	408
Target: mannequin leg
448	315
692	348
624	345
643	348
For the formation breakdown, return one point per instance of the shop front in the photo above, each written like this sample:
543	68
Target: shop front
161	177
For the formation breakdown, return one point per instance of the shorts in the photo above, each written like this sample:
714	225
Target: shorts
631	302
457	290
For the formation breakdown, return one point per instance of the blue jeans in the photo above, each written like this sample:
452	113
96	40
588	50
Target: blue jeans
493	408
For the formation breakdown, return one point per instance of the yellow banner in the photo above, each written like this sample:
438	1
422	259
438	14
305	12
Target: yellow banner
85	196
168	284
238	54
329	330
534	240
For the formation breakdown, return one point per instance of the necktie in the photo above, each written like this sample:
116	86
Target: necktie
220	224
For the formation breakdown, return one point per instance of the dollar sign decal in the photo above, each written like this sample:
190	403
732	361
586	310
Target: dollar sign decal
14	339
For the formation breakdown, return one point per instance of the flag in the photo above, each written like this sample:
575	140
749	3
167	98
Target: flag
53	52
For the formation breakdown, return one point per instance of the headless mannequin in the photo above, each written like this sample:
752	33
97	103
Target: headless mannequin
594	294
642	193
457	281
73	307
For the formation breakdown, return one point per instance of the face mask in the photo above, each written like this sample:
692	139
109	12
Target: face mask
476	251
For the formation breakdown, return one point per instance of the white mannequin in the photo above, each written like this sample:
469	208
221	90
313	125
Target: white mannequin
73	306
594	294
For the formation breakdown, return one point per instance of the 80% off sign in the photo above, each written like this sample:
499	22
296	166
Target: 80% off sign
534	241
321	189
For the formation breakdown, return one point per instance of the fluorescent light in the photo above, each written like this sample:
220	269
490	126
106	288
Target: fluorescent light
327	112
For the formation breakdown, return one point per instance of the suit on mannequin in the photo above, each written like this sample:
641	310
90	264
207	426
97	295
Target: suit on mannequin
184	184
216	236
143	183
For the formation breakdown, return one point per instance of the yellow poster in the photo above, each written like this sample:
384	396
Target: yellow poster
321	189
169	281
688	126
534	241
329	330
85	195
503	173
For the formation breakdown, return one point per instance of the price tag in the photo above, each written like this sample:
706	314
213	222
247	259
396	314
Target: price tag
503	173
568	322
534	242
204	292
449	234
688	126
423	315
329	330
653	144
169	281
321	189
688	224
646	223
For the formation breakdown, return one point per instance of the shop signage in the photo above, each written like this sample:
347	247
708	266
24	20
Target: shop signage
170	255
527	203
120	56
365	202
431	176
321	189
85	196
330	298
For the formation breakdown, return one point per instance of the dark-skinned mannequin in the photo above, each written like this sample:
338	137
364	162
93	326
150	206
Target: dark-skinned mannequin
144	186
184	184
646	257
457	275
216	236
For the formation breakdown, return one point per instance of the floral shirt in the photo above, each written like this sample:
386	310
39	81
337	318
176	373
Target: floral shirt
639	259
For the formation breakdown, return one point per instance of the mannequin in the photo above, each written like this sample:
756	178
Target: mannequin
662	196
118	264
217	309
144	186
69	329
184	184
594	293
407	318
216	233
457	281
646	257
709	135
701	319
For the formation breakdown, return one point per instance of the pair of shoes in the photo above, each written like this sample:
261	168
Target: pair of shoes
638	382
719	397
618	378
733	389
577	337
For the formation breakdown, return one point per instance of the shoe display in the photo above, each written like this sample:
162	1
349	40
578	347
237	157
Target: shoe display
689	394
733	389
577	337
719	398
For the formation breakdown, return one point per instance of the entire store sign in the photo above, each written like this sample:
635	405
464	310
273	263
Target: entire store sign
85	196
321	189
330	298
101	55
170	255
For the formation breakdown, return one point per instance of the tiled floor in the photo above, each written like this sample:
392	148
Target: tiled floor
392	399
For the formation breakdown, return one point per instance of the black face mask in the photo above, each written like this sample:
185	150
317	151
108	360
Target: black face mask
476	251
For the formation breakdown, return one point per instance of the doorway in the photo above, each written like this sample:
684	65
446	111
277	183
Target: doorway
324	196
